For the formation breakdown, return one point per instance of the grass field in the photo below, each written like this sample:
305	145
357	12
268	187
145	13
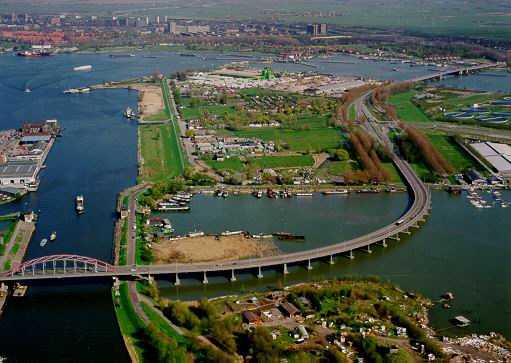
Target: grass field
162	116
160	147
352	113
289	161
314	140
394	174
190	113
234	164
160	152
129	323
457	157
405	108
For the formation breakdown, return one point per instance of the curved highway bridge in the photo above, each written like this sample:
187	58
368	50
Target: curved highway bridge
73	266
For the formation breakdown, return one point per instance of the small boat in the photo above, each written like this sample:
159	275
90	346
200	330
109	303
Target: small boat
303	194
80	204
129	113
28	90
257	194
288	236
53	236
43	243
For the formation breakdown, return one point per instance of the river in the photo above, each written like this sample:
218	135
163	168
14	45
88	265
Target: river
459	249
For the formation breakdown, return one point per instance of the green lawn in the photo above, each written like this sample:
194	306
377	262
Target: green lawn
314	140
406	110
313	121
457	157
394	174
352	113
190	113
129	322
162	116
289	161
227	164
338	168
161	152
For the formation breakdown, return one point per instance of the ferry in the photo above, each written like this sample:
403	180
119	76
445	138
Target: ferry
53	236
80	207
85	68
129	113
43	243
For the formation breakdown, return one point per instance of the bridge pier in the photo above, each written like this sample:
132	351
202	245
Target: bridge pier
75	266
177	281
54	267
44	268
407	232
285	269
332	260
233	277
384	243
396	237
369	249
260	273
309	265
205	279
351	256
65	266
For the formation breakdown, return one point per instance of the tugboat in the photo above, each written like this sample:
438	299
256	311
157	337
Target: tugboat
80	208
53	236
129	113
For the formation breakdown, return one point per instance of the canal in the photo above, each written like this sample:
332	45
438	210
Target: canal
460	249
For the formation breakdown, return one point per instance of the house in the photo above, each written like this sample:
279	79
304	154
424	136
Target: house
251	318
289	309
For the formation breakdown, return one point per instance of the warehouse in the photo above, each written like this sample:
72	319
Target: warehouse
18	174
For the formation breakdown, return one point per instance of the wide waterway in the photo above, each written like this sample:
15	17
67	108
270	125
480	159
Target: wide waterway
460	249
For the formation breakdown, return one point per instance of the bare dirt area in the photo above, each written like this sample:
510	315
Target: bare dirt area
150	100
212	248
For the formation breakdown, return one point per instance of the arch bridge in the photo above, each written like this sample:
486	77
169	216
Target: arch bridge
63	265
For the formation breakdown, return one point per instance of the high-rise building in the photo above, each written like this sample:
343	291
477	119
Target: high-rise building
317	29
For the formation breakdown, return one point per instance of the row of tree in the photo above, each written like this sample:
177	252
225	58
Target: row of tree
365	149
429	154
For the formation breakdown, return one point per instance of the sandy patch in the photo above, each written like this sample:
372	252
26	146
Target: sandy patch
150	100
212	248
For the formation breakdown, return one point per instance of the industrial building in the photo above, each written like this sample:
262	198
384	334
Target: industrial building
497	155
18	174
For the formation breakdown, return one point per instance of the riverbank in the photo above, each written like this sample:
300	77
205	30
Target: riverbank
15	249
